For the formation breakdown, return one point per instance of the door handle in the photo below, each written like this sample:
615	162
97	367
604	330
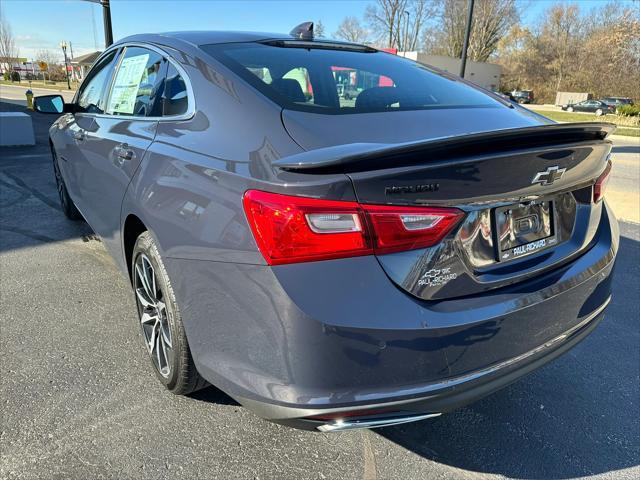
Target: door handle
79	135
124	152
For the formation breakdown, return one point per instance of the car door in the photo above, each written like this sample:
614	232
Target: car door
579	107
592	106
88	102
118	139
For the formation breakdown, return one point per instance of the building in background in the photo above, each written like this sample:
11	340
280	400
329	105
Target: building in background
23	66
485	75
82	63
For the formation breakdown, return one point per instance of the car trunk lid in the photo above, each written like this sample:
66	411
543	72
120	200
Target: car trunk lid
526	193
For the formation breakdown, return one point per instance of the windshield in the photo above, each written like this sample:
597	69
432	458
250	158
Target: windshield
322	79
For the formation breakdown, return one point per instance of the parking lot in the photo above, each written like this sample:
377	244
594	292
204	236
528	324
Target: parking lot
79	400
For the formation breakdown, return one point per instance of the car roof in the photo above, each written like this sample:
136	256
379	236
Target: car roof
208	37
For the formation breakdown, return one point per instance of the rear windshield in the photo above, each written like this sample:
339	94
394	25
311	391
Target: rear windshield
323	79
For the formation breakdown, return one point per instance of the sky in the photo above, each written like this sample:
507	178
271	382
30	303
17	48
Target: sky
43	24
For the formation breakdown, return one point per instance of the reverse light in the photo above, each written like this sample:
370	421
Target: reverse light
601	184
334	222
398	228
291	229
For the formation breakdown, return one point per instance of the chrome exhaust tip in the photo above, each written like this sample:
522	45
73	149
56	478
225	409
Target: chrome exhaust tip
346	424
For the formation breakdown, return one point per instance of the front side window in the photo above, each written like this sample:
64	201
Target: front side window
137	83
323	78
90	97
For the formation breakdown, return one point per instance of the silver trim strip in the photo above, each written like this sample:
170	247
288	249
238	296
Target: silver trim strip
340	425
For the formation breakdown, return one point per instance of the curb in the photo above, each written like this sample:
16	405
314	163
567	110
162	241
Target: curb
27	87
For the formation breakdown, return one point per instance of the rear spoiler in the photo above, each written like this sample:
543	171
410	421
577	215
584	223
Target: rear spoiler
355	157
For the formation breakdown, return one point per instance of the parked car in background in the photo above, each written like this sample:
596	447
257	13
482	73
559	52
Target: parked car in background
522	96
592	106
334	264
617	101
505	95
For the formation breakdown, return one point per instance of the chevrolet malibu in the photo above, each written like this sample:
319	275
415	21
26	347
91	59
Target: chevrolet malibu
330	262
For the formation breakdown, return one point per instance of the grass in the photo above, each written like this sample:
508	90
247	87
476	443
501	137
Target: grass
629	132
581	117
40	84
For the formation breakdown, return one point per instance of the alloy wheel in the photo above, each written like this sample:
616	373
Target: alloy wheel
152	310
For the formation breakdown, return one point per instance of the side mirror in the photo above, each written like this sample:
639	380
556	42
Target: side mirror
49	104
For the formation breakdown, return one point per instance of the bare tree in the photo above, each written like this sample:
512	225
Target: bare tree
492	20
318	29
351	31
596	52
399	23
561	34
45	56
8	49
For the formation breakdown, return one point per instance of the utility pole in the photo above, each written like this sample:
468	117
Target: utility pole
106	19
63	46
108	30
467	34
73	72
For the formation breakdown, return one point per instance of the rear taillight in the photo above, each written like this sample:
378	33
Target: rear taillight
601	183
408	228
291	229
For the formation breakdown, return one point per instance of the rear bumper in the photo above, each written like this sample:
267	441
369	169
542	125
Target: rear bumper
439	397
324	337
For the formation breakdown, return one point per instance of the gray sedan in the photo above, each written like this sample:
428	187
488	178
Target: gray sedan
334	264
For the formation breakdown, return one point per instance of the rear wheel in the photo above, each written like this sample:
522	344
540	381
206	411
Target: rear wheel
569	109
68	208
160	320
599	112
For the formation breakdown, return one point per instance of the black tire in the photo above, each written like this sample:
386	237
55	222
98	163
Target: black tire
182	378
569	109
68	208
599	112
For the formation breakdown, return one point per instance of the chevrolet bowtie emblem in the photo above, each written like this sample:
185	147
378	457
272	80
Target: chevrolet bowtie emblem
549	176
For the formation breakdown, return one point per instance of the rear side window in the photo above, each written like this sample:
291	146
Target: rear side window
137	84
175	97
90	97
321	78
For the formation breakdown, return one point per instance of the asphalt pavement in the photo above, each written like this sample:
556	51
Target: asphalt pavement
79	400
16	94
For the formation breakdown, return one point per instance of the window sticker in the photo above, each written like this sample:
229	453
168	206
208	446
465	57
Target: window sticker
126	83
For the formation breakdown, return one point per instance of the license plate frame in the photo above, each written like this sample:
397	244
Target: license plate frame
511	243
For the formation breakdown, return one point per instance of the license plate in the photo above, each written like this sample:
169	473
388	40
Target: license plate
523	229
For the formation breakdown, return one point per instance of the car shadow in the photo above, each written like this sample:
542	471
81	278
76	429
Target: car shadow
212	394
30	212
575	417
